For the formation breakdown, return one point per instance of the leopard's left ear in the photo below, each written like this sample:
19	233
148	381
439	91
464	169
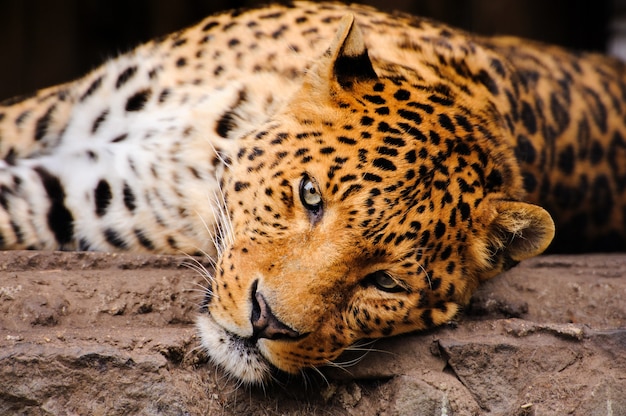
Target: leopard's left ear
349	61
518	231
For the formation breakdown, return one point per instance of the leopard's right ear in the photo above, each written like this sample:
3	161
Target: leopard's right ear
516	231
347	59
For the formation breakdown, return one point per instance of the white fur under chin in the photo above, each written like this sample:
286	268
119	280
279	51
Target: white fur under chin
243	362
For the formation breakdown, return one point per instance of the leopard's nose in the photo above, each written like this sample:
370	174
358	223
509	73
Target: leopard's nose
264	323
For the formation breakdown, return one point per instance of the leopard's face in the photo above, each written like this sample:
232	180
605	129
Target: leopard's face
365	209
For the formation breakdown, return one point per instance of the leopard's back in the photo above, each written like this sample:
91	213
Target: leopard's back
569	111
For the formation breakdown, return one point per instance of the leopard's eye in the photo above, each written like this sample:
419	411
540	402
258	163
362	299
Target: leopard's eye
383	281
310	195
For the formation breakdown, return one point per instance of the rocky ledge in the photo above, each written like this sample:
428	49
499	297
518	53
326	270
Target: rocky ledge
107	334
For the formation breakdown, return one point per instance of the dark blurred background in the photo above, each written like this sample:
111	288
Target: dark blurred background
45	42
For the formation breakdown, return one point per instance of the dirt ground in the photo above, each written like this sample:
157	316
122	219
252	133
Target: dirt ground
111	334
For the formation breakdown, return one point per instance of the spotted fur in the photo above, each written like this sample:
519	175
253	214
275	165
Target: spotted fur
354	174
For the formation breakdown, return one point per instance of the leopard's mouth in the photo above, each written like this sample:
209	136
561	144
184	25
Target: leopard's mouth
239	357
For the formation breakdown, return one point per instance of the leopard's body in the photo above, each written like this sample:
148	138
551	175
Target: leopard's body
352	193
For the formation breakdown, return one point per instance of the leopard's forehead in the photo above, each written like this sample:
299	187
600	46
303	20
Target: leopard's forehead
386	141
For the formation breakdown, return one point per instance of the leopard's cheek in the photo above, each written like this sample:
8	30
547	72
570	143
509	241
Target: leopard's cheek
378	318
340	331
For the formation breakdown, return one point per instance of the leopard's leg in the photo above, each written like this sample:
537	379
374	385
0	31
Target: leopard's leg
145	181
136	196
33	214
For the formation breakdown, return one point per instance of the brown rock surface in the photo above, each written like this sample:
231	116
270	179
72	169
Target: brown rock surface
93	333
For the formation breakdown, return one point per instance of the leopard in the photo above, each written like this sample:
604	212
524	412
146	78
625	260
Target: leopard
352	174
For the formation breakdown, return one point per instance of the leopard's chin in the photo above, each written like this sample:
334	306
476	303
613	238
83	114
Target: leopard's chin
241	359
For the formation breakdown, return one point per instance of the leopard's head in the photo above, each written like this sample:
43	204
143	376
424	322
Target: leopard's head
371	206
